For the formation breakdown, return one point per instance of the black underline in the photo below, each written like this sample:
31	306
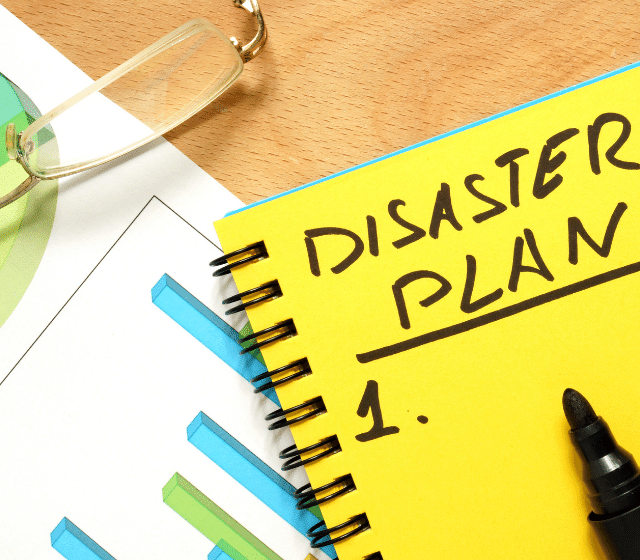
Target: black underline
476	322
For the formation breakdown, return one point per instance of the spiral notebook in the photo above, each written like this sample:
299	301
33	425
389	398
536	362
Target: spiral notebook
422	314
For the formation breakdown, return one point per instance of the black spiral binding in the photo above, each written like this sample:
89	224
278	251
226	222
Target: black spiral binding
306	496
303	369
317	533
254	252
266	292
285	329
323	448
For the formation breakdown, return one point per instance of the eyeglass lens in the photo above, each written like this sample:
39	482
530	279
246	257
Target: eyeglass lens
161	87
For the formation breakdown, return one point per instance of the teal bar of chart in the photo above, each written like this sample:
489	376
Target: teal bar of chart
253	473
74	544
196	318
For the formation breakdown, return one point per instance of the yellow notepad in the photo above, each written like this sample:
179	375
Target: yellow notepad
444	297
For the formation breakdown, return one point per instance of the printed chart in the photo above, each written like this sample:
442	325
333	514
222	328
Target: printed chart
113	385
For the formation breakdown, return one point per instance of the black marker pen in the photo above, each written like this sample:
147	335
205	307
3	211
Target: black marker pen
612	478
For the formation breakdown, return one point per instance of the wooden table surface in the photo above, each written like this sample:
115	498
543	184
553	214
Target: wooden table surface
340	82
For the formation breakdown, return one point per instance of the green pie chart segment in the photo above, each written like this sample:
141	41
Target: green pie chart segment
25	225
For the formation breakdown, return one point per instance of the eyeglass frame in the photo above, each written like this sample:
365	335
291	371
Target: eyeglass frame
15	152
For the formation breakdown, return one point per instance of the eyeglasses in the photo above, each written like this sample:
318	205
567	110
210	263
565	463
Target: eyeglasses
161	87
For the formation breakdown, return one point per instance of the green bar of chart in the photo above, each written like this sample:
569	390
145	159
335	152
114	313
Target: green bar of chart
213	522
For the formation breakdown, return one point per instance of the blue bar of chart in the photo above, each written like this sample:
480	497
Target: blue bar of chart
253	473
74	544
196	318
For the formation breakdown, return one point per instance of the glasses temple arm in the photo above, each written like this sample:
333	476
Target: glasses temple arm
251	49
16	193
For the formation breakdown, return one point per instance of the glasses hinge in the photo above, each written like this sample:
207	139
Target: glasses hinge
251	49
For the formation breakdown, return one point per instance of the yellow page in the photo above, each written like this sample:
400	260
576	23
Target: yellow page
454	300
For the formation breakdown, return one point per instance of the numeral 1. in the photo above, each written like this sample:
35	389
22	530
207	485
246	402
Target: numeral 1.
371	401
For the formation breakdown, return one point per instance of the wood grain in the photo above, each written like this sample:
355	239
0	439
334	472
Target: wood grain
341	82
